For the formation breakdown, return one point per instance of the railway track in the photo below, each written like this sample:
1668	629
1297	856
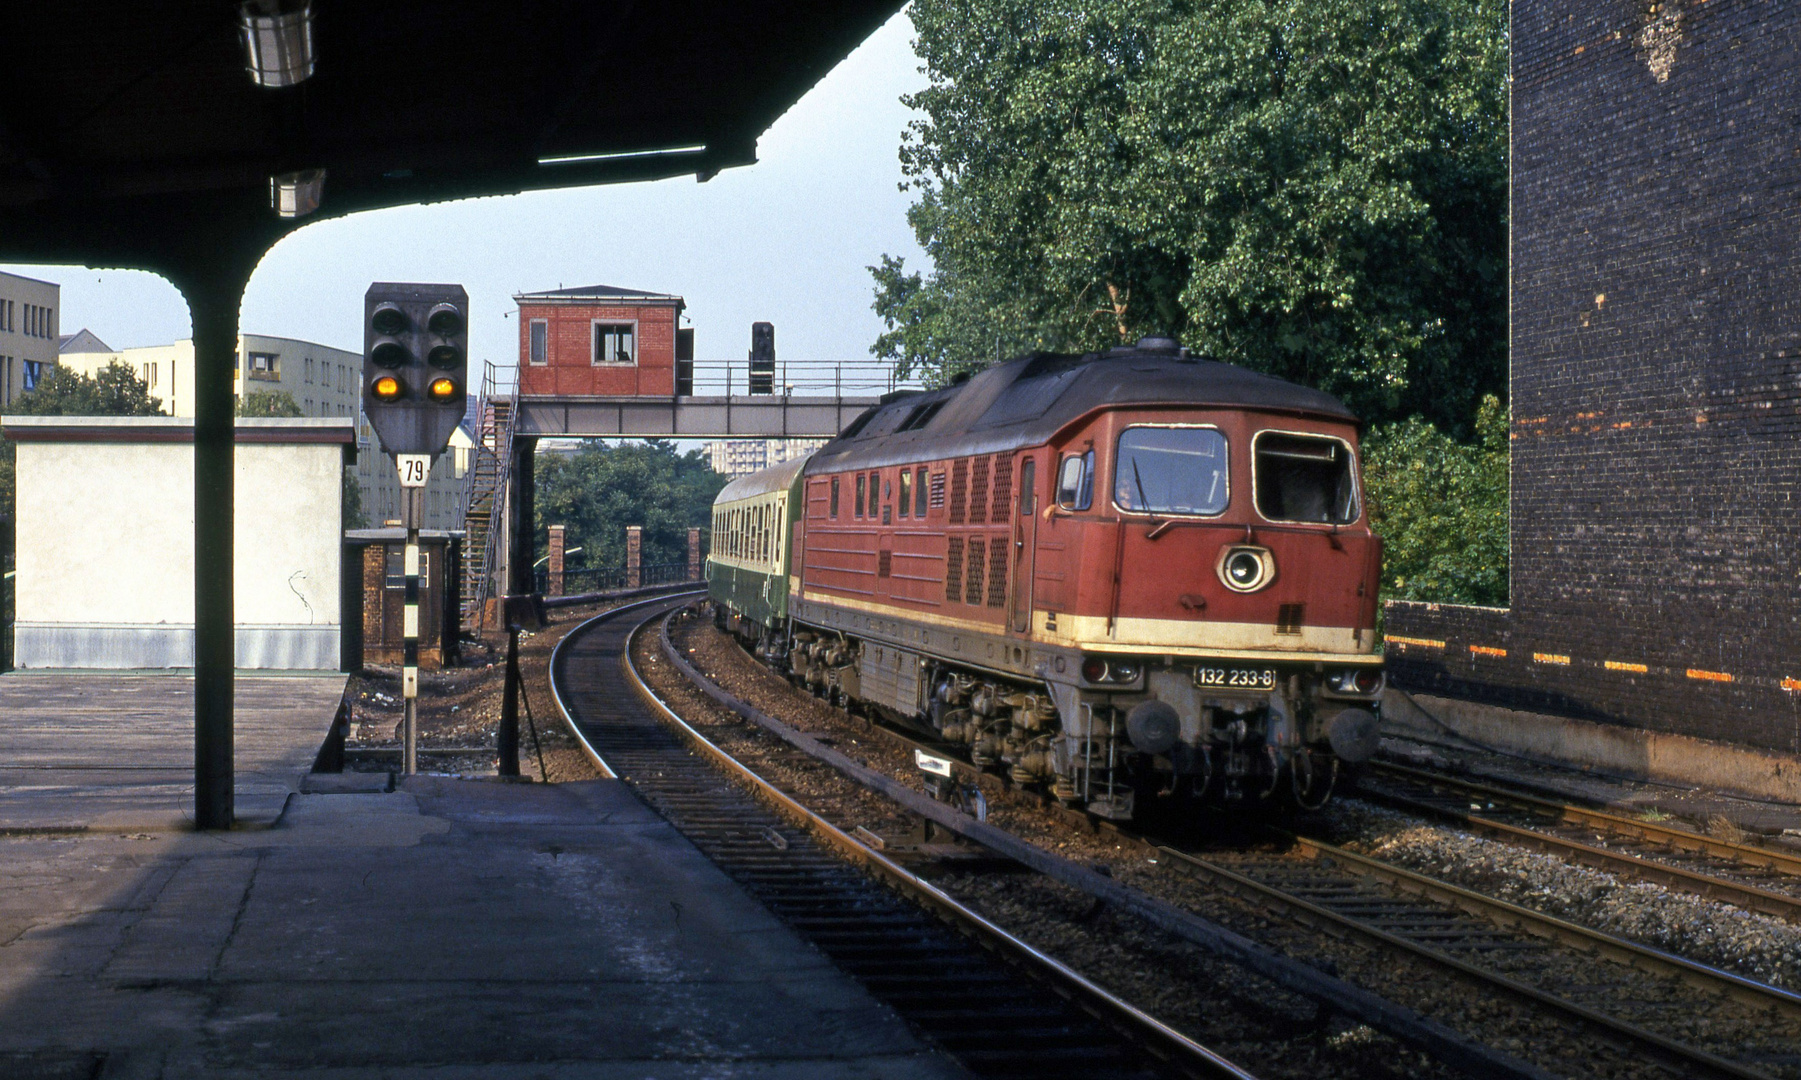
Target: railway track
1755	878
951	974
1667	1008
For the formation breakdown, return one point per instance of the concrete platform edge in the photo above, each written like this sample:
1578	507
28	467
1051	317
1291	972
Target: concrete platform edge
1628	752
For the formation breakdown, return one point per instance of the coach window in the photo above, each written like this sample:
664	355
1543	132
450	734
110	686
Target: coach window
1304	478
919	494
1075	482
862	483
1170	470
834	502
906	496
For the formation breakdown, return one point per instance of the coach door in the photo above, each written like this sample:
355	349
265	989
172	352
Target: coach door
1025	543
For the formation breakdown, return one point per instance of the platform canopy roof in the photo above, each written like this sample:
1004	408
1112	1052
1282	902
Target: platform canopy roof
132	135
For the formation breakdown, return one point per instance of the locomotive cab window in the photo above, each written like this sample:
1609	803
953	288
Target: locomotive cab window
1075	482
1307	478
1170	470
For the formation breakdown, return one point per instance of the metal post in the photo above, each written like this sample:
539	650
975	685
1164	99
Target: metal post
508	736
409	671
214	307
522	579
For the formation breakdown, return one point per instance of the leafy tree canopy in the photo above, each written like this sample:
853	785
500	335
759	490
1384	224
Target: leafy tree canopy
598	492
268	403
115	390
1441	509
1312	188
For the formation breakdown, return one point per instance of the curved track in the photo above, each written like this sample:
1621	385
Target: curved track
959	985
1519	952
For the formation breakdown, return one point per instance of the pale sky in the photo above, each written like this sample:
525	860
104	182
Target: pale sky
785	240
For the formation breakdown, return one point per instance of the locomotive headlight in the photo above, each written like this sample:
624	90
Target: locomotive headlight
1097	669
1245	568
1363	681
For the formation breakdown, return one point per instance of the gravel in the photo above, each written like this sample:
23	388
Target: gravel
1757	946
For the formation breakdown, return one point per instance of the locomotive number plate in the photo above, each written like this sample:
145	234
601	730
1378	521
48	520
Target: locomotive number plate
1236	678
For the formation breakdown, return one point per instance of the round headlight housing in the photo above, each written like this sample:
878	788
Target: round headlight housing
1245	568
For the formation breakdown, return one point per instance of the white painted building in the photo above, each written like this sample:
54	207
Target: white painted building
741	457
28	336
105	541
324	382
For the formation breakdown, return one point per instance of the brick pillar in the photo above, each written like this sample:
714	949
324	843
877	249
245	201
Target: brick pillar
634	553
693	554
554	587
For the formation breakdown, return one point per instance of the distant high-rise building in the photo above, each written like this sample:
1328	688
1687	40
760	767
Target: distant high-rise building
741	457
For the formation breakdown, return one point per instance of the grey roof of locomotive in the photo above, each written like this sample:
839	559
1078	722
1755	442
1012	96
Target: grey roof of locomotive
1027	401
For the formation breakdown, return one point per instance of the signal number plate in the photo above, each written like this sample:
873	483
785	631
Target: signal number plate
1236	678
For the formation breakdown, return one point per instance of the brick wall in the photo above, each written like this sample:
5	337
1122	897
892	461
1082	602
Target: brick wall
570	367
1656	378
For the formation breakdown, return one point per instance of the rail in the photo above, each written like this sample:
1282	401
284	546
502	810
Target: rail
891	947
1529	820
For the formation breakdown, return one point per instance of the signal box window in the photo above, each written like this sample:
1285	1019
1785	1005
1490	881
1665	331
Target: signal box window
1305	478
615	343
539	347
1075	482
1163	470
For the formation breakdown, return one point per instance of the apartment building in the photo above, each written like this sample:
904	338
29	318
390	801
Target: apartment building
29	310
741	457
323	381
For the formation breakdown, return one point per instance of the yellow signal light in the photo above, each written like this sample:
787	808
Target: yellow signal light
442	390
386	388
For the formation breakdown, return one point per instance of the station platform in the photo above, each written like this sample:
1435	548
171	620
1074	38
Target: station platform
112	751
453	928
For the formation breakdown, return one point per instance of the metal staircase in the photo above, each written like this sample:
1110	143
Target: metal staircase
482	520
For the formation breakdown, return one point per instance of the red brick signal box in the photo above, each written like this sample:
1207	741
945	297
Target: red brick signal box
601	341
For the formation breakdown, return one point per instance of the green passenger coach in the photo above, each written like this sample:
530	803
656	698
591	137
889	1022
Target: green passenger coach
753	529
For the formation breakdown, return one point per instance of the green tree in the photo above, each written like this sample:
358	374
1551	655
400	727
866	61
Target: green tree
597	492
1312	188
1441	508
115	390
267	403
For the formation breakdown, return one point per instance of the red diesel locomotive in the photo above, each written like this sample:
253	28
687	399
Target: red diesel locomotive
1121	574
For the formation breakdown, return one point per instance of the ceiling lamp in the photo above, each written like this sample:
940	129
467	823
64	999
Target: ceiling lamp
296	194
278	41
